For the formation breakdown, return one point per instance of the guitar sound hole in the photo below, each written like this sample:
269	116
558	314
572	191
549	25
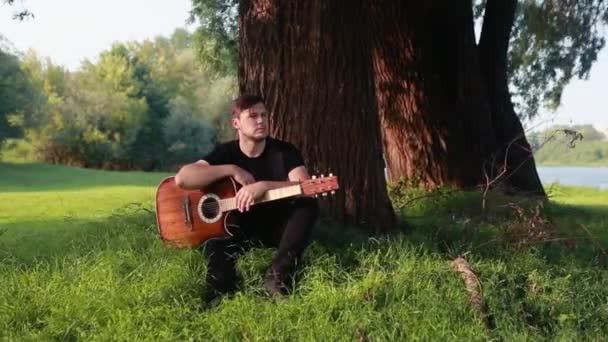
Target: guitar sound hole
210	208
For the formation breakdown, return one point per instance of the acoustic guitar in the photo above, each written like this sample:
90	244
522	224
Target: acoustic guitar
188	218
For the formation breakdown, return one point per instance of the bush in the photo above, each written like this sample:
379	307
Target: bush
188	135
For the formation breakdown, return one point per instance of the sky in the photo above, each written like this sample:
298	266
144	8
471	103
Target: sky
583	101
70	31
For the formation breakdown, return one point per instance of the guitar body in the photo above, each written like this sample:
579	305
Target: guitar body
188	218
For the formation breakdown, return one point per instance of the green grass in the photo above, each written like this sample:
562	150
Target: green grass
81	260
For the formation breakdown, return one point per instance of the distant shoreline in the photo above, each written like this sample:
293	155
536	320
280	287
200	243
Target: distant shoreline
573	165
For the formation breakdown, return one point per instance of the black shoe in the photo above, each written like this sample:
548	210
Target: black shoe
211	299
273	285
212	303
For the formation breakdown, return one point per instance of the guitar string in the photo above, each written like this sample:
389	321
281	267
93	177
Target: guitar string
216	204
225	200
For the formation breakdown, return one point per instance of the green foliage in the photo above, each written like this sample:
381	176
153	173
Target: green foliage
122	111
81	260
16	90
190	137
217	105
17	151
96	120
216	39
552	42
570	145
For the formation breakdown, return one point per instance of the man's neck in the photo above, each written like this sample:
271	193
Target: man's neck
252	148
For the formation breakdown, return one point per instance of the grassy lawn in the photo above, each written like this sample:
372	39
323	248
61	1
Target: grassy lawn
81	260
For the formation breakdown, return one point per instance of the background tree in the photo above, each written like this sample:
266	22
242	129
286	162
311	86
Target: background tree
316	78
189	137
444	99
577	145
216	39
16	94
535	47
118	112
435	127
551	42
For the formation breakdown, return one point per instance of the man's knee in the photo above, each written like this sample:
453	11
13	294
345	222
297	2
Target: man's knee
307	204
223	247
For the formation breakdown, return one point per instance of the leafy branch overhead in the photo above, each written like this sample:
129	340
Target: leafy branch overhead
20	15
216	39
551	42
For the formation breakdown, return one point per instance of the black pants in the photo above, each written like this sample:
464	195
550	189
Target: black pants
284	224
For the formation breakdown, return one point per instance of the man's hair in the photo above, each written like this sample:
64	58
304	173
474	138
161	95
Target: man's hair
244	102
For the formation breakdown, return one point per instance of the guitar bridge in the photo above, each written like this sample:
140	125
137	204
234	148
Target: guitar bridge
186	208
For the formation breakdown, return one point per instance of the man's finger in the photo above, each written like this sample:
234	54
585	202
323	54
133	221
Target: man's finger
239	200
247	202
244	200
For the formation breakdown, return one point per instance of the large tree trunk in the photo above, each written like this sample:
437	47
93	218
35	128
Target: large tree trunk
514	155
445	108
435	120
311	62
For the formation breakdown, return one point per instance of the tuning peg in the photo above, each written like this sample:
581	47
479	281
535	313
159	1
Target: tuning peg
322	176
324	194
316	196
314	177
331	174
333	192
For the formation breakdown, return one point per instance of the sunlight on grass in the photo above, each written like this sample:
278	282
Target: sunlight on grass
81	260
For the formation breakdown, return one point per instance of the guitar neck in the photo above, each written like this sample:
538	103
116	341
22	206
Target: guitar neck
270	195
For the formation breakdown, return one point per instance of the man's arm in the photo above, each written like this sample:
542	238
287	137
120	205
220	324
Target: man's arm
247	195
295	176
200	174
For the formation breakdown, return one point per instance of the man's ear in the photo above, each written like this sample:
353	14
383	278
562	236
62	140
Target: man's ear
235	123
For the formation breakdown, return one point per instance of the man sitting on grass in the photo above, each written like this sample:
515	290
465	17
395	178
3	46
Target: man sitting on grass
258	163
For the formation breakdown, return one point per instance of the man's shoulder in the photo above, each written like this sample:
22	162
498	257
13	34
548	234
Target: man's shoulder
220	153
281	144
227	145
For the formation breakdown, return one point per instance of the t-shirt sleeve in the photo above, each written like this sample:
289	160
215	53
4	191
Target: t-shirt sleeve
293	158
218	156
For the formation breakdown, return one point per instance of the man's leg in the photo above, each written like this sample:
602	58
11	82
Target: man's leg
222	275
291	236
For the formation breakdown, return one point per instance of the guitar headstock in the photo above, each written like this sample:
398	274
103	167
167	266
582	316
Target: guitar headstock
320	185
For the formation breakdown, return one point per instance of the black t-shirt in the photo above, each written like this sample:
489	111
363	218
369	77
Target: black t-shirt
274	164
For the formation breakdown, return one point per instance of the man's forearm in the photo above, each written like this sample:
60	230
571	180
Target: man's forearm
269	185
195	176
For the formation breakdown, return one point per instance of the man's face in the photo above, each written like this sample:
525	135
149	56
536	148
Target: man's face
253	122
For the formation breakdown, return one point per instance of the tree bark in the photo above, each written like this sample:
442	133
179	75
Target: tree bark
436	124
311	62
514	154
444	103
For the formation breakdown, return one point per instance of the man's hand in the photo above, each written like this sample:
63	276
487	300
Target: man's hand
242	177
248	194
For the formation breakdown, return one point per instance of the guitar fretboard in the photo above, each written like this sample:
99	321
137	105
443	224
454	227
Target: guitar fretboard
270	195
